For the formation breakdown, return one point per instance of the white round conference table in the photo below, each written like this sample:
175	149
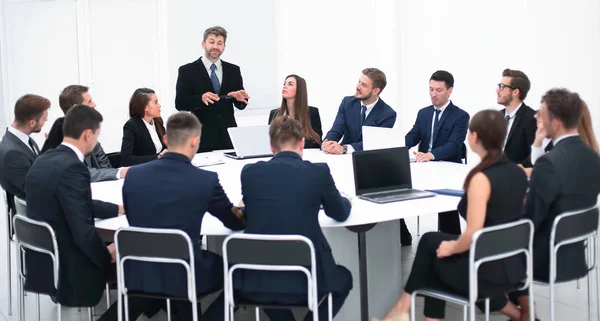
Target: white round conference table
378	246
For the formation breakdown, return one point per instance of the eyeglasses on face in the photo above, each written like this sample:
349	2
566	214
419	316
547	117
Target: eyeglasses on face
501	86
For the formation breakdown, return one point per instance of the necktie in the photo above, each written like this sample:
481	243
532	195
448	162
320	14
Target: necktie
363	114
507	118
214	79
34	146
436	123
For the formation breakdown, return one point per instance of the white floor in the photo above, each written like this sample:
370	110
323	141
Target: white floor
571	302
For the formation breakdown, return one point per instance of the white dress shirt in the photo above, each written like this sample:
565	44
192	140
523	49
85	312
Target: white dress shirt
21	136
155	139
75	149
367	112
219	71
433	122
511	120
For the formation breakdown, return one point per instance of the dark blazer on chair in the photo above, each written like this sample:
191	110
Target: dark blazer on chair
291	206
173	193
347	121
97	162
521	136
137	146
192	82
558	184
447	145
16	159
315	123
59	193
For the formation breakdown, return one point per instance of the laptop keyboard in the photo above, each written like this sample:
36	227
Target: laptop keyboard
398	195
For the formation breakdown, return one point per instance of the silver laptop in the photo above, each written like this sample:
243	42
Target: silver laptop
250	142
383	176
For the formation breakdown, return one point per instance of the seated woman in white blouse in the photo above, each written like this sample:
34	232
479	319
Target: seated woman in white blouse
143	133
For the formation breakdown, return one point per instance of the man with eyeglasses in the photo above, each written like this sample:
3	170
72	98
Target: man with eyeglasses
511	91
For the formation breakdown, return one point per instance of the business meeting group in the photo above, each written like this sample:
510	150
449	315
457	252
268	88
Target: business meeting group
530	170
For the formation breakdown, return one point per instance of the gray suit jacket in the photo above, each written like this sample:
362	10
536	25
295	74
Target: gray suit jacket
15	160
99	165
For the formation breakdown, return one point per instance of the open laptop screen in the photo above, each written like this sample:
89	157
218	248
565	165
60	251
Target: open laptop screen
381	170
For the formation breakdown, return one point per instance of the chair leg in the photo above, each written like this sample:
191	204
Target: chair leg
59	312
487	309
91	314
20	299
589	292
195	311
23	302
169	310
412	303
126	299
330	307
418	226
37	306
107	296
472	316
465	313
256	314
8	265
551	285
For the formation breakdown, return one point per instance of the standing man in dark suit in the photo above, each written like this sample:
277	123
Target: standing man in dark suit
307	186
97	161
59	193
209	87
512	91
440	130
364	108
186	194
558	184
17	149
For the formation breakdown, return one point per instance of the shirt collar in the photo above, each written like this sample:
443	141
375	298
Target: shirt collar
20	135
443	107
371	105
75	149
207	63
512	115
558	139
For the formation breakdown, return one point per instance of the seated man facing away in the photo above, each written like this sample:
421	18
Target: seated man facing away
364	108
291	206
97	161
172	193
59	193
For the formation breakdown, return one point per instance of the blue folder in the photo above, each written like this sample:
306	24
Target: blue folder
449	192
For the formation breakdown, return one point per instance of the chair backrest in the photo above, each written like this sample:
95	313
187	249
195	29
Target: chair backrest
155	245
20	206
282	253
575	226
499	242
463	152
114	159
36	236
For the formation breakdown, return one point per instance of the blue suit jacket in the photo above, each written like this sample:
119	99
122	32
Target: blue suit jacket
172	193
347	121
447	145
291	206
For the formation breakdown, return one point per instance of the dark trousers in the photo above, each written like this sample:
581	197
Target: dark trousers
339	296
449	274
214	312
448	222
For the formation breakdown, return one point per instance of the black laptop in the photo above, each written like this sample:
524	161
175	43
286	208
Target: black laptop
383	176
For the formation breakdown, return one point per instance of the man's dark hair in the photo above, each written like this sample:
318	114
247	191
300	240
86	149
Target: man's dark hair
564	105
30	107
181	127
70	96
446	77
519	81
285	130
217	31
79	119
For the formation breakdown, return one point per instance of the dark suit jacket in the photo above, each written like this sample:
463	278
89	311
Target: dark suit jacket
347	121
521	136
97	162
291	206
15	160
447	145
173	193
192	82
137	146
558	184
315	123
59	193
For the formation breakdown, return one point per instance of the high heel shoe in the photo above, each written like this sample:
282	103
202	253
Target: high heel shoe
400	317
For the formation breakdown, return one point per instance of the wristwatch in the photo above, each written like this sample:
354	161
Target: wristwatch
344	149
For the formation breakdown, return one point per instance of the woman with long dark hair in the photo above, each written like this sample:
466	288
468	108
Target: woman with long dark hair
143	133
494	194
294	103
